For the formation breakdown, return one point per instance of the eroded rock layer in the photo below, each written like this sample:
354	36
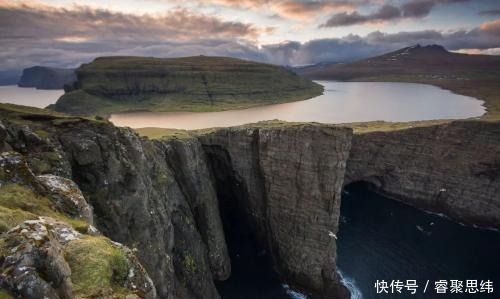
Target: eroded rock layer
164	199
451	168
289	182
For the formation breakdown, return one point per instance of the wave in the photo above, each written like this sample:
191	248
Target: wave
293	294
350	284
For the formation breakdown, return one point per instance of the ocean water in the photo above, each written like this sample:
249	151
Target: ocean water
381	239
29	96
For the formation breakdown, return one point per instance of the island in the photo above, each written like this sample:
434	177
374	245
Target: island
43	77
200	83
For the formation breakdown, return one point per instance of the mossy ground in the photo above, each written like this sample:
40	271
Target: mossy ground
98	267
358	128
19	203
158	133
5	295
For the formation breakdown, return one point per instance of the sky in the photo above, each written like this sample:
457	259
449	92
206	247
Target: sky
66	33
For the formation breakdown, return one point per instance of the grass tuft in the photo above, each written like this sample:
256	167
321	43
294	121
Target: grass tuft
19	203
98	267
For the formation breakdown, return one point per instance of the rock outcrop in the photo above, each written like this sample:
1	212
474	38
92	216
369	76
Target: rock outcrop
169	199
49	249
288	180
136	198
450	168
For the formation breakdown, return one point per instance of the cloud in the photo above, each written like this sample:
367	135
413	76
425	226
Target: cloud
85	23
41	34
484	39
492	12
68	37
491	27
416	9
385	13
291	9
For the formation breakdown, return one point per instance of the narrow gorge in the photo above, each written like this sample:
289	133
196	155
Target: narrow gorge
170	201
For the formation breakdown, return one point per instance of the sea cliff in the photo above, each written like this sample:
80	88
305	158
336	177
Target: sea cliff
166	200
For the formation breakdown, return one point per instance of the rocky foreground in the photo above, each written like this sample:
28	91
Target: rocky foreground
102	212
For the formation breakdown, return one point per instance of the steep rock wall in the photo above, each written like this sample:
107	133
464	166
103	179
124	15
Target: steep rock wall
451	168
137	199
289	181
161	196
188	162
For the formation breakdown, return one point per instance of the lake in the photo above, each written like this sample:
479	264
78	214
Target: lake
28	96
342	102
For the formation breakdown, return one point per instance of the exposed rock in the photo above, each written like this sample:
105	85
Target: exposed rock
138	201
37	263
160	198
15	169
289	181
4	146
67	196
451	168
33	265
188	161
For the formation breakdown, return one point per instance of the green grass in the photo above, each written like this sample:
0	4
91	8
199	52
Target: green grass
383	126
158	133
197	84
5	295
19	203
98	268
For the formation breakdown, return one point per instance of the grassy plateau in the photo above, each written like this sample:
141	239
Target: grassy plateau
197	84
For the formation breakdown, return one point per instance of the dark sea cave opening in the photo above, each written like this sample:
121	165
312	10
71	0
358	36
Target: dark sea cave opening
379	239
382	239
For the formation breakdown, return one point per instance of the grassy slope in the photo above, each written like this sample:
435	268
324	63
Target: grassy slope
117	84
358	128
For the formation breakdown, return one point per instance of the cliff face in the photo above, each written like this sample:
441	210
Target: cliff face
116	84
42	77
288	183
160	198
136	198
451	168
168	200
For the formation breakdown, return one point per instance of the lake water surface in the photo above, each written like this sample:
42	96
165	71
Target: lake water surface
29	96
342	102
